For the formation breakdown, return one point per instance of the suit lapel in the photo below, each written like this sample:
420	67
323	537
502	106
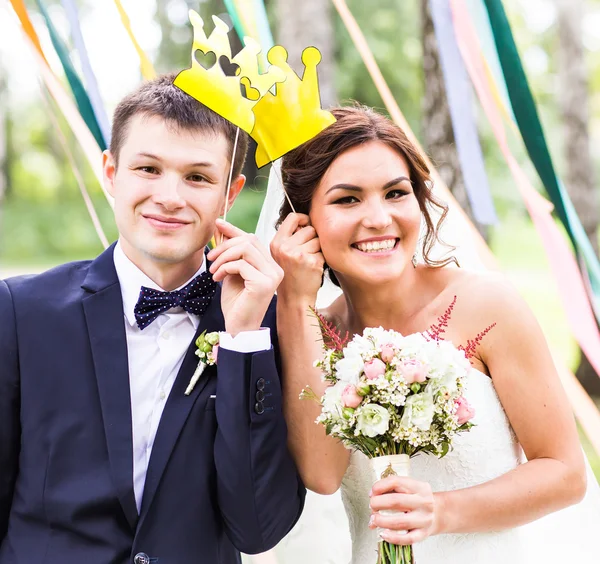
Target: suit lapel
103	309
179	406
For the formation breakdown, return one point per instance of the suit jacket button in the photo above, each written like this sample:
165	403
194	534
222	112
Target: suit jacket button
259	408
141	558
260	384
260	395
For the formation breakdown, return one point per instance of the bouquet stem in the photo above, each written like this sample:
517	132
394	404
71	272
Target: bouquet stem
395	554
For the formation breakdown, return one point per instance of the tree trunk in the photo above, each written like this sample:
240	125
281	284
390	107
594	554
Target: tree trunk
574	110
300	24
438	134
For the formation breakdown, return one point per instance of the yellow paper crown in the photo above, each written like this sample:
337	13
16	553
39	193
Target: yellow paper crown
279	110
219	91
293	115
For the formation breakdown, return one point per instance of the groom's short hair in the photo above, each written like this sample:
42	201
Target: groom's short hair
161	98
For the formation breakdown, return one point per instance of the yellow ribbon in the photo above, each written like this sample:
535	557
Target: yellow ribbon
146	67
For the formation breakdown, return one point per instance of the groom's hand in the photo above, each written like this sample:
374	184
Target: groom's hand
249	275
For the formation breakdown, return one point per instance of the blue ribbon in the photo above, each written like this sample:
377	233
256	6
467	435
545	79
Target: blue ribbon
460	101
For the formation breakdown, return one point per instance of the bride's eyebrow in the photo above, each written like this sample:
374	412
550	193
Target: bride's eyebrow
354	188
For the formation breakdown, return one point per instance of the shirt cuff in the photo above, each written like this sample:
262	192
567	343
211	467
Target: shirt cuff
246	341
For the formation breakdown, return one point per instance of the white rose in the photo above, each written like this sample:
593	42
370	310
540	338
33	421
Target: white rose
332	399
412	345
348	369
381	336
359	345
418	412
372	420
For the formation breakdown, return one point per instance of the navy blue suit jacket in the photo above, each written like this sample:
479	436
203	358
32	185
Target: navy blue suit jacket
220	478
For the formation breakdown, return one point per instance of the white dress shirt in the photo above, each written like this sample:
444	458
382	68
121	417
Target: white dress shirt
155	355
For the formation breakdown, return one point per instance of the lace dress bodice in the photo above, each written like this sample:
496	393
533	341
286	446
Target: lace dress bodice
487	451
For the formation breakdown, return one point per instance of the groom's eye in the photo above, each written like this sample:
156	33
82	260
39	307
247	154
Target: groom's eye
148	169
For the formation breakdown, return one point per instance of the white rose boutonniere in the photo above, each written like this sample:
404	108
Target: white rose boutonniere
207	350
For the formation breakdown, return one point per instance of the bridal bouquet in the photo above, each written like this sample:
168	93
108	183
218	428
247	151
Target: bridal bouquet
392	396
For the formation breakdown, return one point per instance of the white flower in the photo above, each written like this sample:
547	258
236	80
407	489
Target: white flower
361	344
372	420
446	382
380	337
418	411
349	368
412	345
332	399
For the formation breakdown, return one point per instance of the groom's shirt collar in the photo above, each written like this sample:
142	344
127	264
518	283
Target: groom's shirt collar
131	280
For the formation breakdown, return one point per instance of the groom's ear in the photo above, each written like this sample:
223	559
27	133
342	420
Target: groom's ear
236	187
109	169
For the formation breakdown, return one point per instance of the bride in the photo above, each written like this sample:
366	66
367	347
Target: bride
362	196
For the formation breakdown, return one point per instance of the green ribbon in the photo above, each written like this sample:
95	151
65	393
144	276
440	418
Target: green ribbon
83	102
530	127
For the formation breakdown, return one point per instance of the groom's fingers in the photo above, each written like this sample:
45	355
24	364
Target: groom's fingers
241	238
244	250
239	267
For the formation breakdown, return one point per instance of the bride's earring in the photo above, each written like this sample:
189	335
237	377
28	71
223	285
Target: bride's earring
414	260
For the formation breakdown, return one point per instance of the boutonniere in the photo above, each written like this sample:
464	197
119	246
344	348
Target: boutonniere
207	348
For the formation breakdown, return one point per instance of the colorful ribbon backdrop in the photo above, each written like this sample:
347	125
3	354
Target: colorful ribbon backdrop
90	78
530	127
79	92
250	19
584	408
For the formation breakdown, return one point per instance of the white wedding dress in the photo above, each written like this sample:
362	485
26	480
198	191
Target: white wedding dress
487	451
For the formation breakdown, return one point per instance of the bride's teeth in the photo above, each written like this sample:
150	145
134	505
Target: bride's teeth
375	246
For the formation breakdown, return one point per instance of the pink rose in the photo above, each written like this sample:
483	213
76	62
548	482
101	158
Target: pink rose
387	353
464	411
374	369
413	370
350	397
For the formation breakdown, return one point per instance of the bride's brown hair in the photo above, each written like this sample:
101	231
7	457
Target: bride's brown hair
303	168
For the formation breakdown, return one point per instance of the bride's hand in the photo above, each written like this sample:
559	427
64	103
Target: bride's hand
415	503
297	250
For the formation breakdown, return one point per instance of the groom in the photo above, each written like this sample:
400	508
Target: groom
104	458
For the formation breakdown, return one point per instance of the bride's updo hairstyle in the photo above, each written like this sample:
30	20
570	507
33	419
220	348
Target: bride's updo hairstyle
303	168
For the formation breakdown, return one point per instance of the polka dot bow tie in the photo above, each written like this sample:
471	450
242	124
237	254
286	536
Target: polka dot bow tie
194	298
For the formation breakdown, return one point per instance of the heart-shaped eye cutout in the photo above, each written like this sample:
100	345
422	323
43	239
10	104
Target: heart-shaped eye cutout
205	60
228	68
247	90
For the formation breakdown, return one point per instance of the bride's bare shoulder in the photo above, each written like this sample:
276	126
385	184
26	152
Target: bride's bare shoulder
486	298
483	290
